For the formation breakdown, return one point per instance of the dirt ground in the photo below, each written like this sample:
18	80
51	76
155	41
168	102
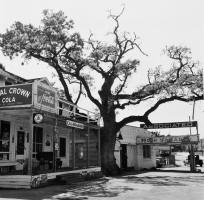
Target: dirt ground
156	185
173	183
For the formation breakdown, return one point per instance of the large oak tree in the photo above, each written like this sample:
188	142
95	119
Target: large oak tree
74	59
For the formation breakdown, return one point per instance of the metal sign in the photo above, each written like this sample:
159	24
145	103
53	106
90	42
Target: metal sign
170	125
74	124
16	95
45	97
37	118
168	140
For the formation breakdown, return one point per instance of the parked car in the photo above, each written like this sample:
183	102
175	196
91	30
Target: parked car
198	161
160	161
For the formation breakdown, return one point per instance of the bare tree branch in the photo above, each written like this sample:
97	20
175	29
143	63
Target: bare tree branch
130	119
162	101
79	94
83	81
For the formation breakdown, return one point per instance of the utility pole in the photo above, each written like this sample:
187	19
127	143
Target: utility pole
192	153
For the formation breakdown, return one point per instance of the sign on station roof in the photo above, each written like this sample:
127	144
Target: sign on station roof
168	140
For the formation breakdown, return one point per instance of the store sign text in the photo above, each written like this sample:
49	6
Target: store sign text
169	125
16	95
46	97
74	124
182	139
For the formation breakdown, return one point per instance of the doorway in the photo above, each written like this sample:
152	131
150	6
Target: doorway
20	150
123	155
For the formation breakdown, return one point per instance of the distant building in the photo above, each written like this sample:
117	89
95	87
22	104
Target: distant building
200	146
128	154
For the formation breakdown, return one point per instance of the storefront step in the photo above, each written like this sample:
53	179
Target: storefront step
40	180
77	177
15	181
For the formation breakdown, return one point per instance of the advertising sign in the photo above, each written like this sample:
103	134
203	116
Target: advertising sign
45	97
74	124
168	140
170	125
16	95
37	118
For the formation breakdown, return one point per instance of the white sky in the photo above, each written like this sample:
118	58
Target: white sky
158	23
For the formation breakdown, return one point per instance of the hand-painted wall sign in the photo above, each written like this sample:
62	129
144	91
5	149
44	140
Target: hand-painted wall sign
45	97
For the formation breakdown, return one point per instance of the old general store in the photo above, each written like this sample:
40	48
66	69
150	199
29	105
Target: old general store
41	135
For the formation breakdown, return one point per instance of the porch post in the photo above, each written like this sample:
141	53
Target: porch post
99	147
73	147
192	154
55	144
30	151
87	162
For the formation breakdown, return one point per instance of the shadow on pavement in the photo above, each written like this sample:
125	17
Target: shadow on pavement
97	188
104	187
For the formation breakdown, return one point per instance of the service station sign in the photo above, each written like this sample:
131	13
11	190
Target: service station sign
168	140
16	95
170	125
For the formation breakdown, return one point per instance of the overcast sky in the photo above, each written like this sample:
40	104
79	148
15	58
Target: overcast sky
158	23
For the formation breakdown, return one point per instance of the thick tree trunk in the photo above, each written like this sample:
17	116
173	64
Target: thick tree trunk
108	138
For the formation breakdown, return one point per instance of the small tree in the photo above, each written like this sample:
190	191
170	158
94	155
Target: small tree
55	43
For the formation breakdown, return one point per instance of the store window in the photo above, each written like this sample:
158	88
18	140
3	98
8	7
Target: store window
37	139
146	151
4	140
80	151
62	147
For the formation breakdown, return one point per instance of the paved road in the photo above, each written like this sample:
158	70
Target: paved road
158	185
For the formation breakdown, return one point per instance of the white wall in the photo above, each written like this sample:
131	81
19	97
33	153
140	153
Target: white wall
132	156
145	162
135	152
117	153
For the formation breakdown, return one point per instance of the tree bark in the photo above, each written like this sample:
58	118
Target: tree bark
108	139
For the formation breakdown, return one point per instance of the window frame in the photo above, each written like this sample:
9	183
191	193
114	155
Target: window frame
7	153
65	149
147	154
35	142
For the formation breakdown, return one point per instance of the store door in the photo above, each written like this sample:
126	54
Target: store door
64	150
123	156
20	147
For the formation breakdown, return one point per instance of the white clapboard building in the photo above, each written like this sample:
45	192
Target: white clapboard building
128	154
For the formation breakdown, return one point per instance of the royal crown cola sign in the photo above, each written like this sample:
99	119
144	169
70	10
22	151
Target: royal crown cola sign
16	95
